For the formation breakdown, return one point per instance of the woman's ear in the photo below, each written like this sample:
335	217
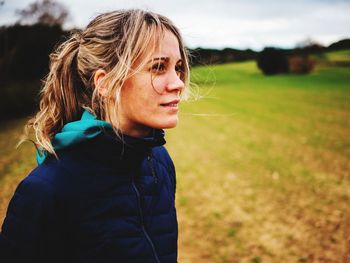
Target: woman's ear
98	77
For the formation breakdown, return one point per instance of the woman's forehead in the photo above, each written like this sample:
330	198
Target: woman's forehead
163	47
166	48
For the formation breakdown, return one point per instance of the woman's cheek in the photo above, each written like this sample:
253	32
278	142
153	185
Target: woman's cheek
159	84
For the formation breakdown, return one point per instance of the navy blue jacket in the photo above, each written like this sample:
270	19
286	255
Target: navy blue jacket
102	201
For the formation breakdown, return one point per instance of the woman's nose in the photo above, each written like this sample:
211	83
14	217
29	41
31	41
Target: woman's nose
175	83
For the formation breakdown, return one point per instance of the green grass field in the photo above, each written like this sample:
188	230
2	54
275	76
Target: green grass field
263	166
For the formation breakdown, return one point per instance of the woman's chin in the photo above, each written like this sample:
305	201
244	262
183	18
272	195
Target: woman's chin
168	124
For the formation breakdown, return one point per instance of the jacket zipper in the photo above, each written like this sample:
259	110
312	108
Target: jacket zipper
142	222
149	158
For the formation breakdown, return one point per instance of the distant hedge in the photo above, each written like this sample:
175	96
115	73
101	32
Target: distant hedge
24	60
273	61
24	50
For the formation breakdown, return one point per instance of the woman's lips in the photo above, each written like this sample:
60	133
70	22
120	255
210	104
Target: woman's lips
169	105
172	106
173	103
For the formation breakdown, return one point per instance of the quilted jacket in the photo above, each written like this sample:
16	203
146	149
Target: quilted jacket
101	201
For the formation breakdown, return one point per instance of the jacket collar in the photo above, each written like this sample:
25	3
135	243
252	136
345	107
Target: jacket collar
88	127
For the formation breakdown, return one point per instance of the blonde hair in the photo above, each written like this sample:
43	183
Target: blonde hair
113	42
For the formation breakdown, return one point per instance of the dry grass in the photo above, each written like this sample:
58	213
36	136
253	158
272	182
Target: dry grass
268	180
14	164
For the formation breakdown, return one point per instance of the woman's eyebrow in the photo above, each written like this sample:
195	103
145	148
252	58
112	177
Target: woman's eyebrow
165	59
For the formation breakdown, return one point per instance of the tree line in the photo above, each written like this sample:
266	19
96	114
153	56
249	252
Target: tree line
25	49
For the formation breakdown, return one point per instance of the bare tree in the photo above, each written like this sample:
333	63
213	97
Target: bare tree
46	12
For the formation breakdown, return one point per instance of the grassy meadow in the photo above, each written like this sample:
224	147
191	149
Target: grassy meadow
263	165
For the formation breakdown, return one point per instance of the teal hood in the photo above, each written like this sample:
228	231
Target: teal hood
74	132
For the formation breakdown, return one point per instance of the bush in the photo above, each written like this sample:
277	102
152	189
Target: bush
273	61
24	51
300	64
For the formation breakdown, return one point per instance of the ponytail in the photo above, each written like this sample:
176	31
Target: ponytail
62	95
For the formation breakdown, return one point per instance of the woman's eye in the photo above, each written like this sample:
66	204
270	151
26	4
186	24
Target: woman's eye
159	67
179	69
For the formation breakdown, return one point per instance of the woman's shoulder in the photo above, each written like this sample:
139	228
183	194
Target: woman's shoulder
58	174
163	156
35	192
161	152
44	178
35	185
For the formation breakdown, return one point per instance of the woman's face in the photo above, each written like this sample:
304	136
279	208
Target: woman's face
151	97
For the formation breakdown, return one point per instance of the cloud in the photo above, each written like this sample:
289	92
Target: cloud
222	23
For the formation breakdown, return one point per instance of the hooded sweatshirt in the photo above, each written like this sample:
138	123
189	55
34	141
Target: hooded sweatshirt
74	132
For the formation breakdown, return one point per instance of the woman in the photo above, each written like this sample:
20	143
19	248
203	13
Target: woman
104	188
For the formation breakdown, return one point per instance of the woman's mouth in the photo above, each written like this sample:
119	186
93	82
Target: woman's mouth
169	105
172	104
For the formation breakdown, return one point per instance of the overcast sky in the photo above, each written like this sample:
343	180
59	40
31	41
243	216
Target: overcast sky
225	23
